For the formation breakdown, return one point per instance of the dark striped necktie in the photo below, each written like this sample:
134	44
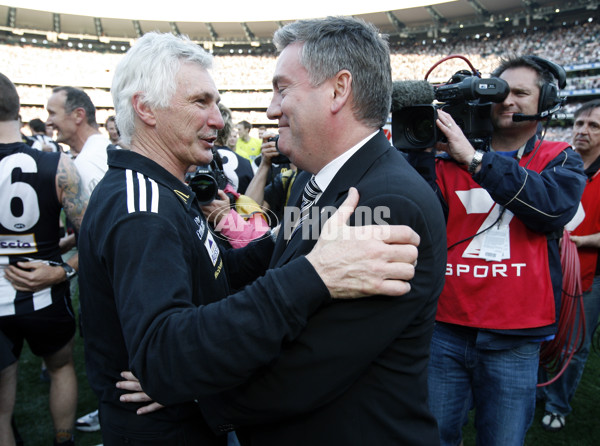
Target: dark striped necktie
311	191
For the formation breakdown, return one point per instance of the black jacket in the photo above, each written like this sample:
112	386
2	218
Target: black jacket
154	297
357	373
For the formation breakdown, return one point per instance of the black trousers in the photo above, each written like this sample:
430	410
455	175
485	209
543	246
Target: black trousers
129	429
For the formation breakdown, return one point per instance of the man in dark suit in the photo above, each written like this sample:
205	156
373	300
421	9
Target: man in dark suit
357	375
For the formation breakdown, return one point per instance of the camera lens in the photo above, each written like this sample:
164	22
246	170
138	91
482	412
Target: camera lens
420	127
205	186
413	128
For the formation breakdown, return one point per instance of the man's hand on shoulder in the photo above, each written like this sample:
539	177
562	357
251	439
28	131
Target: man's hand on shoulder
358	261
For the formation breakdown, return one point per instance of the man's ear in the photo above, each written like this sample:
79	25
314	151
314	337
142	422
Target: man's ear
342	90
79	115
142	109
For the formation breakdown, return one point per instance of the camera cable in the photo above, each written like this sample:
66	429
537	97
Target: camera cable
556	354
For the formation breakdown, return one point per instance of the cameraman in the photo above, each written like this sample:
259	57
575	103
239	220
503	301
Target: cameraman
271	163
505	207
269	189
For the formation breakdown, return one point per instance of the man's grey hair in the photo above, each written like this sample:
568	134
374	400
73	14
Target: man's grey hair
337	43
77	98
150	67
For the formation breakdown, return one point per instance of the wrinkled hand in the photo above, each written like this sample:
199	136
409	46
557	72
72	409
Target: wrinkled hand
358	261
217	209
132	384
458	146
33	276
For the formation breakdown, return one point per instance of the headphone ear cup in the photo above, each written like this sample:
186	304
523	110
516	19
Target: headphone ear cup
556	70
548	97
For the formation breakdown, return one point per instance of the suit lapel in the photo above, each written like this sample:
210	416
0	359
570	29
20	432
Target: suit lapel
294	200
349	175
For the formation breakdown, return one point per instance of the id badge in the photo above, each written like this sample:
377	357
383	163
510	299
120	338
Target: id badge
496	244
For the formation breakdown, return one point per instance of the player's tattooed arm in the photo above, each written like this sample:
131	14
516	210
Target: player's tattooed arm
71	192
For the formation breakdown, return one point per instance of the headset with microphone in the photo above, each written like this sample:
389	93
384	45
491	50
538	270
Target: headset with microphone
550	102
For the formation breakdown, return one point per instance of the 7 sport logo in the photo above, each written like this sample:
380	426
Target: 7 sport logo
479	201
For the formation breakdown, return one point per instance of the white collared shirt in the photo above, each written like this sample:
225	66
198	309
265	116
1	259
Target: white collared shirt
326	174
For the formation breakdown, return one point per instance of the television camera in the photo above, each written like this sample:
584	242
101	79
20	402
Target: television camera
466	97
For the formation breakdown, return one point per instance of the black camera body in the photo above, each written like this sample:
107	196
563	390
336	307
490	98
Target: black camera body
281	158
207	180
466	97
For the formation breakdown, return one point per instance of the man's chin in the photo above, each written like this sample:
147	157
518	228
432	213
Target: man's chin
204	158
505	121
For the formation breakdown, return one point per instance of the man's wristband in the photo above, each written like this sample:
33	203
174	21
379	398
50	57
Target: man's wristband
475	162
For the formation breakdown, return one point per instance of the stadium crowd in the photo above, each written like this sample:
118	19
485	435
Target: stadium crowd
245	80
566	45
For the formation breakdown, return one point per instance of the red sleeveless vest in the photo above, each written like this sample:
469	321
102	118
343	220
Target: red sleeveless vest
512	293
588	257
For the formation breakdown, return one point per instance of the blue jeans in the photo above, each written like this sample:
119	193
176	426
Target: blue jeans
500	384
232	439
559	393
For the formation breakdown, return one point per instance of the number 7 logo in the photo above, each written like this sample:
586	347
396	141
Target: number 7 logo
479	201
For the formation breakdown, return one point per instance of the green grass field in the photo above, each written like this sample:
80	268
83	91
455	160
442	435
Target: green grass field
31	412
34	423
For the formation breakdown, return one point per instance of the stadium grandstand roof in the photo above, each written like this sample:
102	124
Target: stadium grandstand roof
252	24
